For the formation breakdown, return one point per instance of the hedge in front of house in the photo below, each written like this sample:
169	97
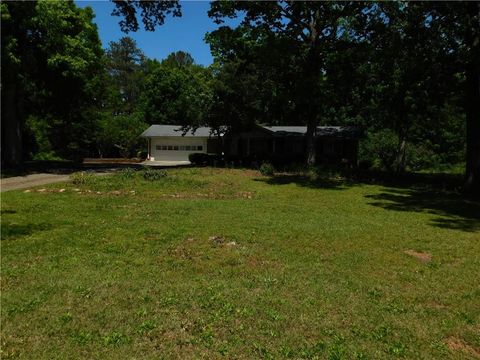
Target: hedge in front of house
205	159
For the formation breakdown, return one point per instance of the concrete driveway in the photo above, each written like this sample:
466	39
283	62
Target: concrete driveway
165	163
24	182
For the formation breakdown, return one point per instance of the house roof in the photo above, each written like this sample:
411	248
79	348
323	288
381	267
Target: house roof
175	130
322	131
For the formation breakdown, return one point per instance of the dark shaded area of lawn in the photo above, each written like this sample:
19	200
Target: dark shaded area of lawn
454	212
11	231
438	194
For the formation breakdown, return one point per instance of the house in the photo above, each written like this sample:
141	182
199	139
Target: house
287	144
279	144
171	143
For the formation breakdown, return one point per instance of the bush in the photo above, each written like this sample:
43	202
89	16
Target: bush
266	169
380	149
154	175
206	159
83	178
127	173
198	158
419	157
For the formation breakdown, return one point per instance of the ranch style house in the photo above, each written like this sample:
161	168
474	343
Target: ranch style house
334	144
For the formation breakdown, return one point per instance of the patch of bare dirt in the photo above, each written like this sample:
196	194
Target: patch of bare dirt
456	344
78	191
210	195
217	239
422	256
221	241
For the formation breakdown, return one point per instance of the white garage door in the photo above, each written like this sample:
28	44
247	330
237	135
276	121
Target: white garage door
177	148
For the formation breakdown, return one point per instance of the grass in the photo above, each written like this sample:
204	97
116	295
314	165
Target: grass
223	263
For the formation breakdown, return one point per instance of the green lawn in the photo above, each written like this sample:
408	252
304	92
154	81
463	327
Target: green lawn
221	263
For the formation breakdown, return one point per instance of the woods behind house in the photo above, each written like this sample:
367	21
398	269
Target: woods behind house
406	73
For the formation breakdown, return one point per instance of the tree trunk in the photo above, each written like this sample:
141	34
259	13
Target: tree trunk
401	154
310	142
12	150
472	182
311	76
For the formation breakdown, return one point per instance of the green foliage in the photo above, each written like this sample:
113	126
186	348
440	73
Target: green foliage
154	175
83	178
380	148
119	135
53	58
127	173
177	95
266	169
179	59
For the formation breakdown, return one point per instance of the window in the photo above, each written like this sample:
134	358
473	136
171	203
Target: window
175	147
164	147
200	148
181	148
158	147
187	147
170	147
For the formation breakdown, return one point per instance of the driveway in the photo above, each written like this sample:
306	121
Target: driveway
24	182
166	163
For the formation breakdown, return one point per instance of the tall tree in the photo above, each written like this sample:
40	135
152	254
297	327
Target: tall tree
52	52
472	72
126	65
152	13
410	70
179	59
313	30
177	95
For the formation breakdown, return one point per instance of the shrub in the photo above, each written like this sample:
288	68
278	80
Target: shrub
154	175
83	178
127	173
266	169
198	158
380	148
420	157
206	159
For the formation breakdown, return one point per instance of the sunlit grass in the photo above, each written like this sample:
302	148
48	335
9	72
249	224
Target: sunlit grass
223	263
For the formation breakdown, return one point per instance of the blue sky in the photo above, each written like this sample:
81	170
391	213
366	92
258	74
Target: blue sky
185	33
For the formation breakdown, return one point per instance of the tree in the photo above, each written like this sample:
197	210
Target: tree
312	31
410	71
179	59
152	13
52	52
472	90
177	95
126	66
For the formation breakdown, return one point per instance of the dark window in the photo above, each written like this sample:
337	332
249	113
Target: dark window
158	147
164	147
200	148
181	147
187	147
175	147
170	147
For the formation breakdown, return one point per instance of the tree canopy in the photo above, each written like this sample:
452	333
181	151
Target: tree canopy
406	72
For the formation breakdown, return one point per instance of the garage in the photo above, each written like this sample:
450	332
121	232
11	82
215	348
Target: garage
170	144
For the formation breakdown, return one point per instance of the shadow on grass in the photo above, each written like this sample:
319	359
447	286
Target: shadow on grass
15	231
454	212
437	194
306	181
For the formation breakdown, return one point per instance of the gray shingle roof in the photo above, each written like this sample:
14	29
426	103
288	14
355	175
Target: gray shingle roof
322	131
174	130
